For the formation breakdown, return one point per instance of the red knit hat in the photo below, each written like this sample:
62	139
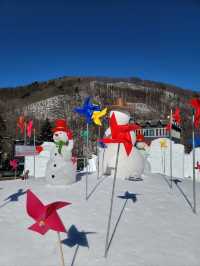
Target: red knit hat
140	138
61	125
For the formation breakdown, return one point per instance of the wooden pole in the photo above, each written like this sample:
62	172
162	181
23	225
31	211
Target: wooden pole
194	176
61	250
111	203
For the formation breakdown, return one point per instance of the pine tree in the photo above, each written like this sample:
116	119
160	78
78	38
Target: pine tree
46	131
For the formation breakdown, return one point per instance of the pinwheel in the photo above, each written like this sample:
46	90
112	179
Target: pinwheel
163	143
45	216
195	103
87	110
119	134
29	128
97	115
14	165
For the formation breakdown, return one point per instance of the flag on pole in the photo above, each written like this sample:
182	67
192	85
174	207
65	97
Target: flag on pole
21	124
195	103
29	128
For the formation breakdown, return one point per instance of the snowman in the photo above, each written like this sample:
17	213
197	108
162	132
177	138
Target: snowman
61	167
128	166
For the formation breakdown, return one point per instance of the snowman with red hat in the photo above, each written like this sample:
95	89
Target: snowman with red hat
144	148
61	168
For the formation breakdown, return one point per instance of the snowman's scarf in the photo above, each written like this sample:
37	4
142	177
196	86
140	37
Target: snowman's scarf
59	145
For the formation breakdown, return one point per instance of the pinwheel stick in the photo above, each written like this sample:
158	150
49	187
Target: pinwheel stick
61	250
171	181
194	176
99	129
34	151
111	204
87	166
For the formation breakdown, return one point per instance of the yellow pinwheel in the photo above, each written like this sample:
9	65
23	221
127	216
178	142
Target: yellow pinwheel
97	115
163	143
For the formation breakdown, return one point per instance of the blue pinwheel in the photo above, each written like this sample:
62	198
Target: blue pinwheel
87	109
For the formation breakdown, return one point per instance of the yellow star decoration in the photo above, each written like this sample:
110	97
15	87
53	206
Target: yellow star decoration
97	115
163	143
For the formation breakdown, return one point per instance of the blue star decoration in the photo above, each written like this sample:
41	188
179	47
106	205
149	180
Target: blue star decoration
87	109
76	237
127	196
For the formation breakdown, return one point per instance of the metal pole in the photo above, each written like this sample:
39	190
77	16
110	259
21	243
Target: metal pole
111	203
171	181
34	151
194	176
87	169
98	154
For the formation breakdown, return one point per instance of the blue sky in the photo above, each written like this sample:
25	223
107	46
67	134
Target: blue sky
155	40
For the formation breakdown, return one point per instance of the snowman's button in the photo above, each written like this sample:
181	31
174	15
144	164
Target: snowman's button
52	176
55	154
54	165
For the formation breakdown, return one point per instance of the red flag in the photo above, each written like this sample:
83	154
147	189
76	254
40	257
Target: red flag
21	123
29	128
176	116
46	217
120	134
195	103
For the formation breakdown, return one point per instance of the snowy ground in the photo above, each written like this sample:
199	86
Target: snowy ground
158	229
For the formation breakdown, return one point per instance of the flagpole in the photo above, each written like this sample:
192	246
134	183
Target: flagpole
111	203
61	250
24	133
171	181
194	176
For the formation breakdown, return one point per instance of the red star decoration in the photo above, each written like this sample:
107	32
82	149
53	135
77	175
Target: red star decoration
46	217
120	134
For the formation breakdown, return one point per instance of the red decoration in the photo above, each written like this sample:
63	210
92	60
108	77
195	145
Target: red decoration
195	103
46	217
120	134
21	124
176	116
39	149
198	166
29	128
140	138
61	125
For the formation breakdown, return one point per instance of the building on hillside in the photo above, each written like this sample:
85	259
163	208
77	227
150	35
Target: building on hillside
154	129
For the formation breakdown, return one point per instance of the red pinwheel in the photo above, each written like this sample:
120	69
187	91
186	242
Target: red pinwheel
195	103
46	217
14	164
176	116
120	134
